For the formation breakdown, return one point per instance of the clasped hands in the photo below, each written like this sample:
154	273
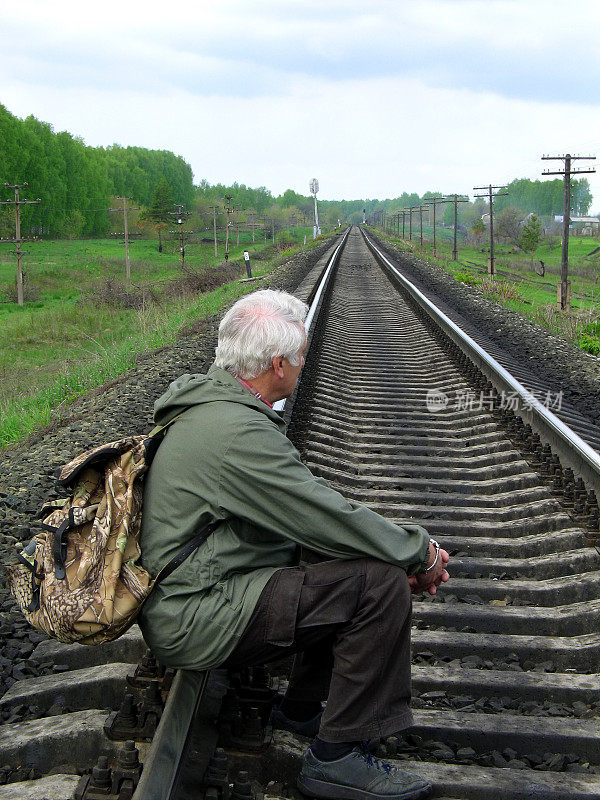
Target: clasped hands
429	581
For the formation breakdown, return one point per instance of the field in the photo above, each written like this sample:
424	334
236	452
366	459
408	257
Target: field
83	324
518	285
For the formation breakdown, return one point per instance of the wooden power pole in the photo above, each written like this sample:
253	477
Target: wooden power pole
490	195
563	299
228	211
434	202
125	211
17	203
214	210
455	199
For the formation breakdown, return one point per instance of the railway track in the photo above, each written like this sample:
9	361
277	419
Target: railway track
400	412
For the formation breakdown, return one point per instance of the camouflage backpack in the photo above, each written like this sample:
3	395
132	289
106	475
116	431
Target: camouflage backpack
79	580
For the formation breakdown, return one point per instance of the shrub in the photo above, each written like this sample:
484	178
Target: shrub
500	289
116	294
193	282
591	344
466	277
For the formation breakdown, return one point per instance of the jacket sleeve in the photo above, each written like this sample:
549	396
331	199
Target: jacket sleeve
263	481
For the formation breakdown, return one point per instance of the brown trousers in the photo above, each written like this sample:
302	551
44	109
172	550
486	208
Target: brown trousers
349	623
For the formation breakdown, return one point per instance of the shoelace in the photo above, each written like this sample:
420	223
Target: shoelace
371	761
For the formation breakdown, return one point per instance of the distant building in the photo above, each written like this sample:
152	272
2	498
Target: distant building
582	226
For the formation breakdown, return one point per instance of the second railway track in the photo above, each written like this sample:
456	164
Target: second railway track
505	658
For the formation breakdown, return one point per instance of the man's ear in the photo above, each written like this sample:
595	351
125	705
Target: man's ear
278	366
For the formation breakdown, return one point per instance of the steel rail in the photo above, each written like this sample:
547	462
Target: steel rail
312	312
582	458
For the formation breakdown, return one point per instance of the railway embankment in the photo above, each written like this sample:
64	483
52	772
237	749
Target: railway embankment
122	406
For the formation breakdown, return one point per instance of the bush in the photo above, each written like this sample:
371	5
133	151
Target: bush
591	344
466	277
116	294
500	289
193	282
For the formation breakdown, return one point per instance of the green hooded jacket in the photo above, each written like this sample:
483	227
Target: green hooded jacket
227	458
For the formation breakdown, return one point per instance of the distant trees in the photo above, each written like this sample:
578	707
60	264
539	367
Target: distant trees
545	197
75	182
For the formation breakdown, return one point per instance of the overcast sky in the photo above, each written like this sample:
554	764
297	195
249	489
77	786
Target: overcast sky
409	96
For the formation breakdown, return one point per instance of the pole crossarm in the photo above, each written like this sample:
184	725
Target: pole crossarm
573	158
573	172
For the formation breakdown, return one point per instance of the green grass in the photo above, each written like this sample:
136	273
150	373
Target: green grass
518	286
66	342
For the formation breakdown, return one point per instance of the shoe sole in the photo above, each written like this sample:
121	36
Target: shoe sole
337	791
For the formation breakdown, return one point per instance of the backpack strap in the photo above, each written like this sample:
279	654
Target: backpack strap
158	429
181	556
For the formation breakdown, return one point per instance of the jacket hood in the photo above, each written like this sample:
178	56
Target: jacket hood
217	385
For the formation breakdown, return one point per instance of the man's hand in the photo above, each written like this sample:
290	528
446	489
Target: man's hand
429	581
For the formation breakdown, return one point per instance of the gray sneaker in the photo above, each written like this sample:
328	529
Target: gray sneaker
359	776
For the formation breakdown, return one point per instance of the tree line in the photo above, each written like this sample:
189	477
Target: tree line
75	181
543	198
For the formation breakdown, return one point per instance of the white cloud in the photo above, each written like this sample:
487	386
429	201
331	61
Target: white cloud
437	94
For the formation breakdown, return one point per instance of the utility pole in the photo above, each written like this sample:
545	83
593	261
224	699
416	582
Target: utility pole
180	216
228	210
490	195
403	213
456	199
410	210
17	203
433	202
563	299
214	210
253	220
125	211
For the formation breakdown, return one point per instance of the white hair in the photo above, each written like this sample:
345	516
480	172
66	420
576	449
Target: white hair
259	327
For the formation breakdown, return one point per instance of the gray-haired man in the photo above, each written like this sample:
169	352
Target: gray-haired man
241	599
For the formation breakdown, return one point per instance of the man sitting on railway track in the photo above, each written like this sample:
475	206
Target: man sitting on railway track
242	598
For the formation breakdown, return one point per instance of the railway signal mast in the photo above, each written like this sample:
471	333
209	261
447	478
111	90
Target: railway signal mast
314	188
563	299
17	203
